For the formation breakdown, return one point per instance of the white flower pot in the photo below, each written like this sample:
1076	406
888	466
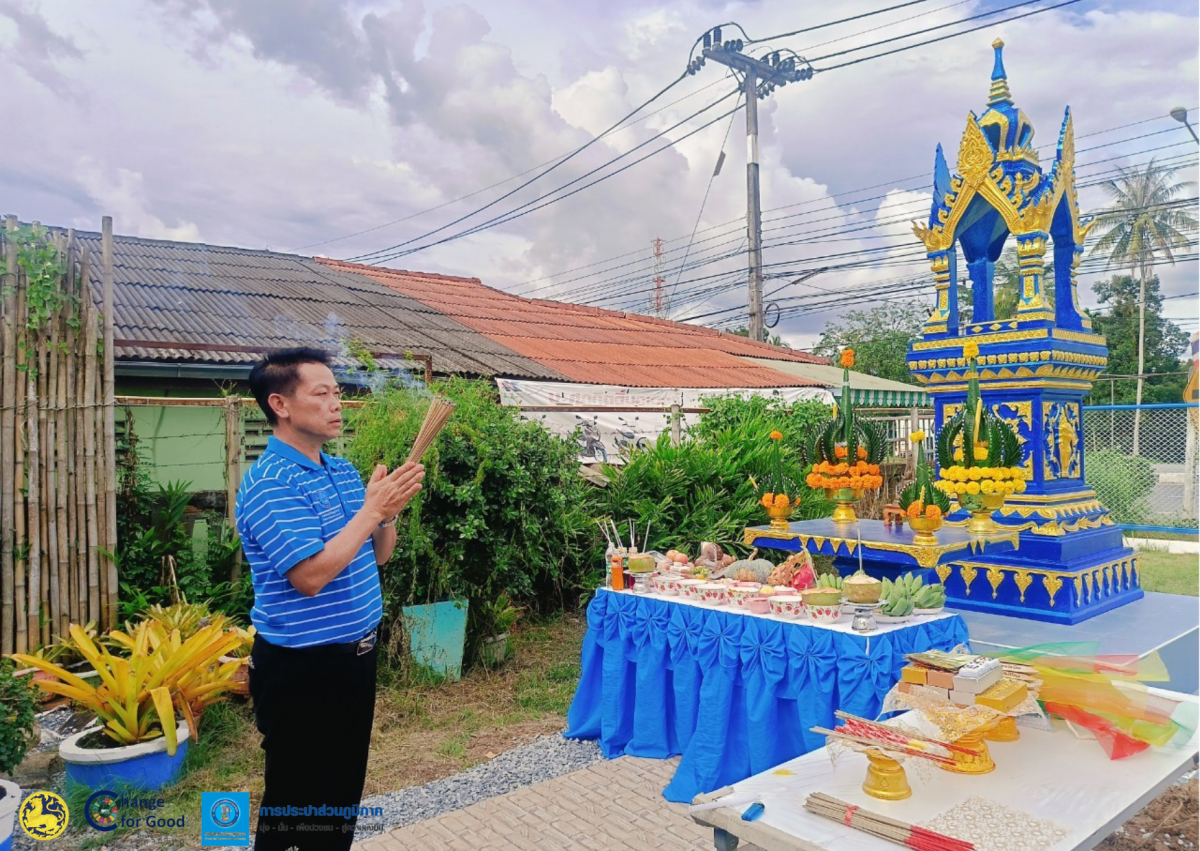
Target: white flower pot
8	811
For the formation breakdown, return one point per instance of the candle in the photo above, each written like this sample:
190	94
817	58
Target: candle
860	558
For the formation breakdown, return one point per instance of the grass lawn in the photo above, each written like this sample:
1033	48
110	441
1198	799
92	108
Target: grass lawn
1170	574
422	732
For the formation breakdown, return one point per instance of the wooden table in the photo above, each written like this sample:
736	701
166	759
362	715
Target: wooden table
1051	775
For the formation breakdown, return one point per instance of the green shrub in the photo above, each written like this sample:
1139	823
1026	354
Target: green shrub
503	509
1122	483
18	708
700	490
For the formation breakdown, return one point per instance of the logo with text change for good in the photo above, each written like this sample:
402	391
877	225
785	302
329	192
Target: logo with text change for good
43	815
225	818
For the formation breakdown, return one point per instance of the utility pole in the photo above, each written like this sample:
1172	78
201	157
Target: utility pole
760	77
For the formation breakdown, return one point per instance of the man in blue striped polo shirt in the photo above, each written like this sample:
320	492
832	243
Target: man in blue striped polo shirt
314	538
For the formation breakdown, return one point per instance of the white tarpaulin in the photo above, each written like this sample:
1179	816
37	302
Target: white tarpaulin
643	412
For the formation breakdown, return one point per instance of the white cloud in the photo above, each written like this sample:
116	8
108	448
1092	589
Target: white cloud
285	125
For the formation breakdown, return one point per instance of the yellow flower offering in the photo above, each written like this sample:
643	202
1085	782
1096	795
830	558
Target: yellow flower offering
972	487
981	453
917	437
971	350
847	359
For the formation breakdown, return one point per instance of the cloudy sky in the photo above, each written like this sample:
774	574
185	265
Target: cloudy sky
345	128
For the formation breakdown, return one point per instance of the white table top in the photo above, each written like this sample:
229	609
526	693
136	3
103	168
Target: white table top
1050	775
842	624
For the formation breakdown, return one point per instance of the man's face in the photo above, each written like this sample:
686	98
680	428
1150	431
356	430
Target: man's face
314	408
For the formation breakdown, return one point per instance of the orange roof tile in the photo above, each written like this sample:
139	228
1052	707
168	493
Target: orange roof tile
592	345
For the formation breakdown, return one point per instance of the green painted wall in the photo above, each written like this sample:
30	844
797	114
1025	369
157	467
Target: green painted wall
180	444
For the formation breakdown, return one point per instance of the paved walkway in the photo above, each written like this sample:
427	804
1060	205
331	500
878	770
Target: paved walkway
613	805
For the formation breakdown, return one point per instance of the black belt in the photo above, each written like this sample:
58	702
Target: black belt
360	647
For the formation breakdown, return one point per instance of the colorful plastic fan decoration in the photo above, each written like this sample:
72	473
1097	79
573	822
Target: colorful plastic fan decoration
1107	695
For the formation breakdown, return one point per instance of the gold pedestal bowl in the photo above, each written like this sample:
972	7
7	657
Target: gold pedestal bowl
886	779
924	528
845	499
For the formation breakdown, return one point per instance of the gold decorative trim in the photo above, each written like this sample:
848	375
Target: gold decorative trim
1069	496
1107	582
1079	337
1032	383
1023	580
925	555
984	339
968	574
943	572
1079	590
1052	583
995	577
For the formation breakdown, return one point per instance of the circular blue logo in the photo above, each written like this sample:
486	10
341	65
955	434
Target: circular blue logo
101	810
225	813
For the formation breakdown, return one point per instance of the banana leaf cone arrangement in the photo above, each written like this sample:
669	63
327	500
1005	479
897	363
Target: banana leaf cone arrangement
924	504
979	455
777	499
843	454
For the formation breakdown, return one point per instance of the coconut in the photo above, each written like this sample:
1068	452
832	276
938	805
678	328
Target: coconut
861	588
641	564
821	596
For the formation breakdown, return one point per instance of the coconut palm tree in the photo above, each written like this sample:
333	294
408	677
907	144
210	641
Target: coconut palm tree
1146	222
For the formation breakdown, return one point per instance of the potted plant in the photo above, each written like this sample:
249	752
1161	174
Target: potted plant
18	723
141	743
499	616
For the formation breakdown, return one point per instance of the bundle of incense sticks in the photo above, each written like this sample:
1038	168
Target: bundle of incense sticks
435	418
893	830
854	724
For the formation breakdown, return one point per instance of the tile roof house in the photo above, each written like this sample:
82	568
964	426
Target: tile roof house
593	346
205	311
198	311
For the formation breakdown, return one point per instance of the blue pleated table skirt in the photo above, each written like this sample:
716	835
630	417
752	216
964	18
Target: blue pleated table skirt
734	693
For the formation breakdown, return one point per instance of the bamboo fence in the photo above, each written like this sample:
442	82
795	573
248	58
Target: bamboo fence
58	510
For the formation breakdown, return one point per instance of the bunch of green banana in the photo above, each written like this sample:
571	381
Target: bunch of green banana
898	606
930	597
829	580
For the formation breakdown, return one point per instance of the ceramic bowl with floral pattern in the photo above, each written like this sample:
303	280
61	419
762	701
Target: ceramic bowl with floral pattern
689	589
713	594
787	605
825	614
740	595
668	585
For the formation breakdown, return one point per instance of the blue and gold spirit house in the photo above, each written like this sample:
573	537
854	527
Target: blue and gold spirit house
1034	367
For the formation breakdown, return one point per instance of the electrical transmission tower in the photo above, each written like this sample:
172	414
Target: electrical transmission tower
656	301
759	77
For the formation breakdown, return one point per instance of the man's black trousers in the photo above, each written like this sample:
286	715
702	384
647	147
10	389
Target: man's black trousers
314	708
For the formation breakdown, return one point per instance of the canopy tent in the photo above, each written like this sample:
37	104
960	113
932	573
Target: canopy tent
869	391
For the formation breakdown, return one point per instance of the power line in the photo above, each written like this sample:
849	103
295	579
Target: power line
830	204
540	175
811	238
526	208
703	202
833	23
647	117
386	254
951	35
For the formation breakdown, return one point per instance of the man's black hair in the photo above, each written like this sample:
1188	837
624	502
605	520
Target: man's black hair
278	372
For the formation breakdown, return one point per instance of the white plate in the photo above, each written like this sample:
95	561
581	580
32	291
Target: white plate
891	619
936	611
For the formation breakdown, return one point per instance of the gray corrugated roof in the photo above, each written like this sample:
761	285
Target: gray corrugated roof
212	296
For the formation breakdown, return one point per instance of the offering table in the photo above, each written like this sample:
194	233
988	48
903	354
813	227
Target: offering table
732	692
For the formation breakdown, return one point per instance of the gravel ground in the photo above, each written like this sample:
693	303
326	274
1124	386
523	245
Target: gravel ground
544	758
